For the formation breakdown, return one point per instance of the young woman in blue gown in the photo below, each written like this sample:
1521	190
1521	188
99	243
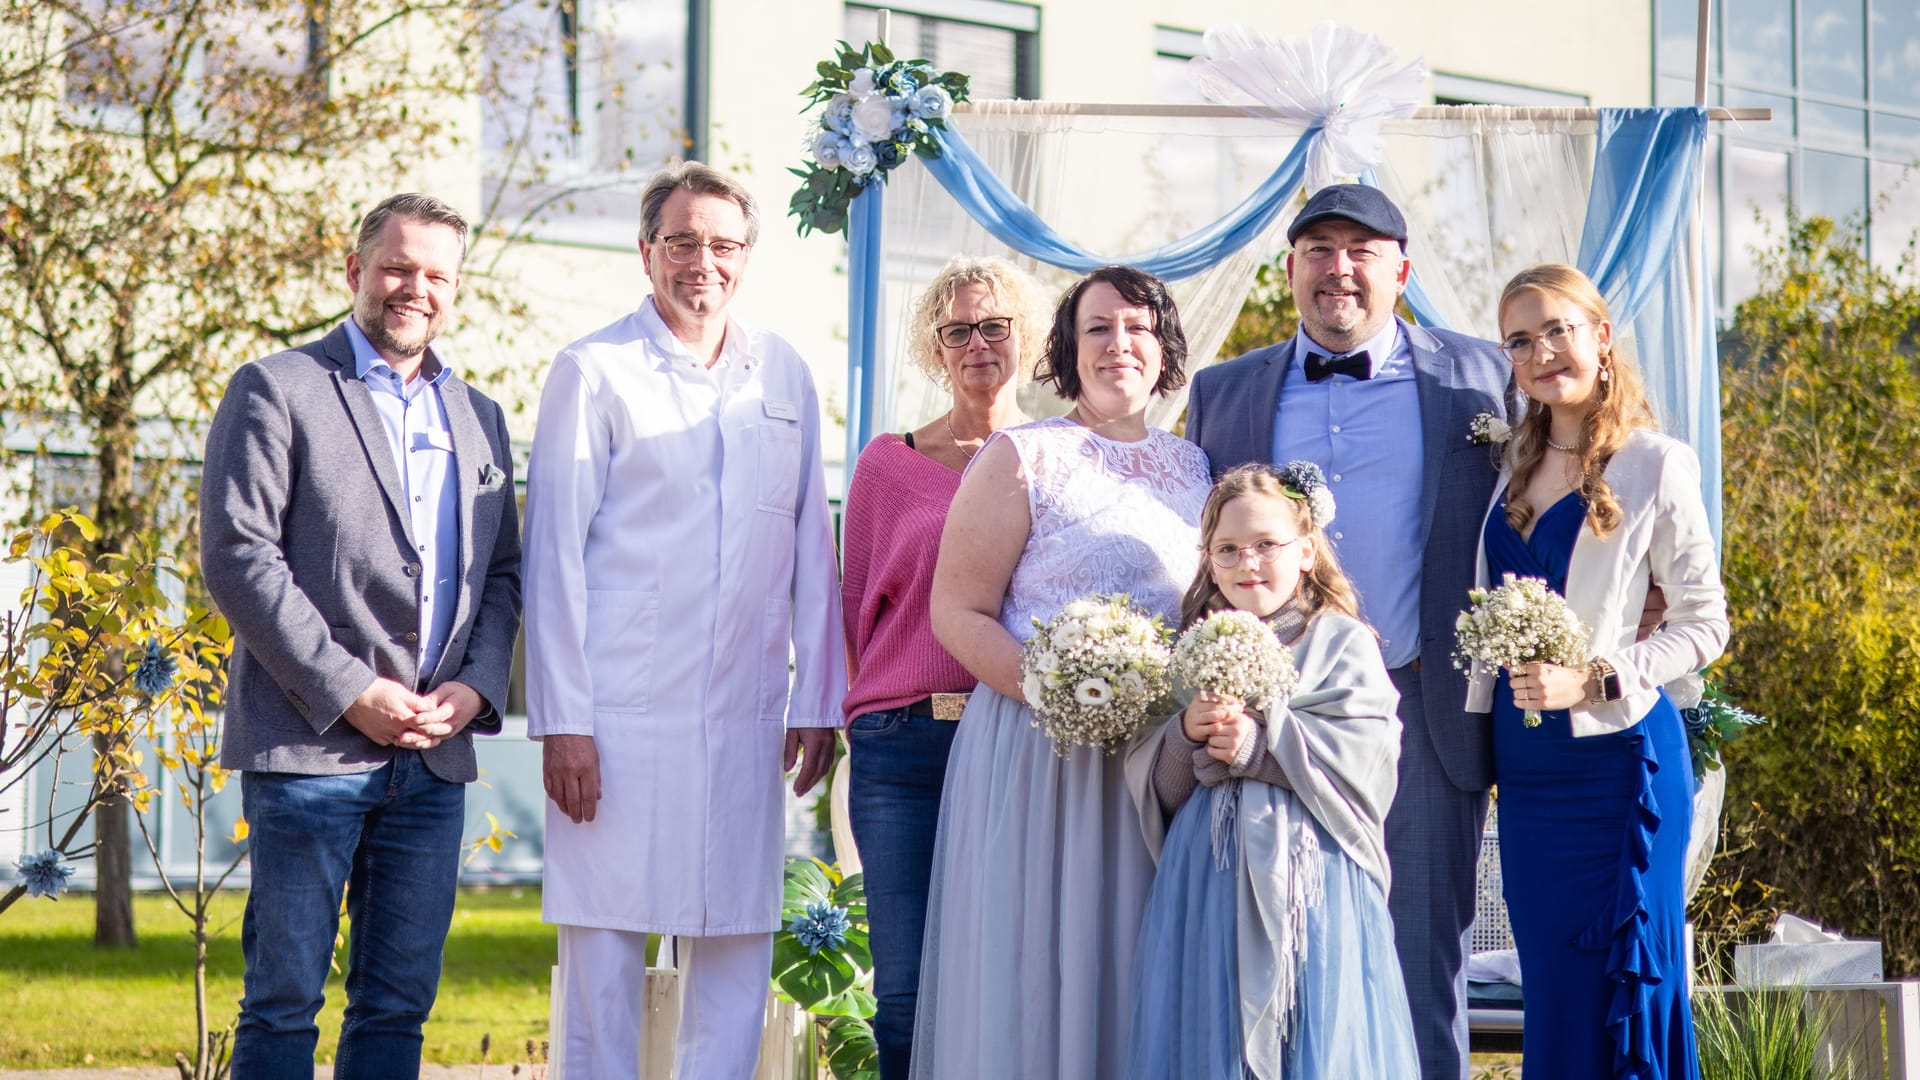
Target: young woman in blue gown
1596	801
1266	950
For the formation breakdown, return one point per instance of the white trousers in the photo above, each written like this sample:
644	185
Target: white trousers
603	974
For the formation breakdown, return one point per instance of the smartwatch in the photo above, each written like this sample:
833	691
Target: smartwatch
1601	673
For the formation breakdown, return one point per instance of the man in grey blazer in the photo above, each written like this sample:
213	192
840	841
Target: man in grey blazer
358	530
1383	406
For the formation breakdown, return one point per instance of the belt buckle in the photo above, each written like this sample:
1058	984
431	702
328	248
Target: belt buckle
948	706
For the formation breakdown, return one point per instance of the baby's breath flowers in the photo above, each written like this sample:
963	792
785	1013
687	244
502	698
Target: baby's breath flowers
1521	622
1093	672
1234	653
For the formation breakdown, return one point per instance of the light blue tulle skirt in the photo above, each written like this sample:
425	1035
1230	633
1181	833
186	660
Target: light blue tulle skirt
1352	1018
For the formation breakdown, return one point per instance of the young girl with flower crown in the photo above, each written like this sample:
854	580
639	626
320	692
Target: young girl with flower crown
1266	950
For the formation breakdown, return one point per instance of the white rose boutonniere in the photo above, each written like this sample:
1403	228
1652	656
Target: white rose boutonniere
1488	430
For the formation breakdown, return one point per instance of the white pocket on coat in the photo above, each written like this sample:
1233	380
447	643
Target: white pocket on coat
779	462
776	653
621	624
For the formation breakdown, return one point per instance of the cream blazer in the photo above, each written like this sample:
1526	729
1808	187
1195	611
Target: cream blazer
1663	540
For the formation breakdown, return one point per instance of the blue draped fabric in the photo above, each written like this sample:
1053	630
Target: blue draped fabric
864	311
988	200
1646	181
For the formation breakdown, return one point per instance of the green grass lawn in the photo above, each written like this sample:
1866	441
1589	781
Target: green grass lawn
67	1004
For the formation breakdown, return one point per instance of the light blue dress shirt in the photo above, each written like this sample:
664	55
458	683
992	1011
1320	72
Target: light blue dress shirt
422	444
1365	435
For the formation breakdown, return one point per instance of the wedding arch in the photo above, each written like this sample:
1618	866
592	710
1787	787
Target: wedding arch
1202	194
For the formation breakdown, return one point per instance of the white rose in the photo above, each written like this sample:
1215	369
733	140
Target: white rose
859	159
1032	688
1046	660
1093	692
873	119
1067	635
1079	609
861	84
1134	682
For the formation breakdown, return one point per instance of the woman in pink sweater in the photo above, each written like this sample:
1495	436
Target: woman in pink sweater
976	327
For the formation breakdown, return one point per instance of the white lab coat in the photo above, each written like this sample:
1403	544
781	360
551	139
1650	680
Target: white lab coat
677	542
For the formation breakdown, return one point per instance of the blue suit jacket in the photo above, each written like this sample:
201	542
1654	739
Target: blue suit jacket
1230	415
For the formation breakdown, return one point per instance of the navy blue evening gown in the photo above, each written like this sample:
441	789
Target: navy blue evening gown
1593	845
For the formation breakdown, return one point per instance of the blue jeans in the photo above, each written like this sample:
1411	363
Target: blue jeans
391	839
899	765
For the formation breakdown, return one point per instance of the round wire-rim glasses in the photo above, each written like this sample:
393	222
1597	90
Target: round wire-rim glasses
1226	556
1519	349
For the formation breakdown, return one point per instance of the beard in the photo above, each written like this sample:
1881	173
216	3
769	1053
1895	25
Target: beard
370	313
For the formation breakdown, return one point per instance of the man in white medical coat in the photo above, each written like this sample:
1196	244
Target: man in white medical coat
677	544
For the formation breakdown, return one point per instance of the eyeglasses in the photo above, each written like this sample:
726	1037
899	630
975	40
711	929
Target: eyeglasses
1519	348
685	249
1226	556
956	335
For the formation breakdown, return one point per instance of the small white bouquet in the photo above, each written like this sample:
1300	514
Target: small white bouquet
1234	653
1521	622
1093	672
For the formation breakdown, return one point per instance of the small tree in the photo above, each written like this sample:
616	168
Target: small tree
1821	427
66	683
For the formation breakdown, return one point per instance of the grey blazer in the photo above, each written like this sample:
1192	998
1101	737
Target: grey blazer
306	550
1230	415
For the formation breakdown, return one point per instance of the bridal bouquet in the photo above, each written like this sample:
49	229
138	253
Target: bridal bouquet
1521	622
1234	653
1093	672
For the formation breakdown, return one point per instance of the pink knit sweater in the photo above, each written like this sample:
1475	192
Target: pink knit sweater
895	511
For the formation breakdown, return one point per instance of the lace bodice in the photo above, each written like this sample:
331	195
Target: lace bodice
1107	517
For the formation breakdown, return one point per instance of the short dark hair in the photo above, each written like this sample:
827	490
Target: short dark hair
701	180
1060	361
414	207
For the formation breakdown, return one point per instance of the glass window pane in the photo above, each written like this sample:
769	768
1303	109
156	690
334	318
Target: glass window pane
1670	90
1780	127
1756	212
1896	211
988	53
1832	185
1899	135
1896	52
1833	124
1759	43
1833	47
1674	47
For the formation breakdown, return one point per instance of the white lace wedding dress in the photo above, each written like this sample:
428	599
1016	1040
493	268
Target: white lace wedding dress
1040	872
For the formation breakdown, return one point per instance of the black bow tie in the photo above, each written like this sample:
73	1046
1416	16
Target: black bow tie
1357	365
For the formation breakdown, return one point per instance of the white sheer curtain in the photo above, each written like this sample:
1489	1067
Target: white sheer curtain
1487	191
1118	185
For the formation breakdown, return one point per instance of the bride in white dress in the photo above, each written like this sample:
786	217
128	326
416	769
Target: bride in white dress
1040	871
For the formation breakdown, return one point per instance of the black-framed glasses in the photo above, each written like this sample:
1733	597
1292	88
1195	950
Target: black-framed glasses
1227	556
1519	348
955	335
685	249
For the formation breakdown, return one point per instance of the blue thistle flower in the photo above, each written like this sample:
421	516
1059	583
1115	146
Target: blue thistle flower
822	926
44	874
156	671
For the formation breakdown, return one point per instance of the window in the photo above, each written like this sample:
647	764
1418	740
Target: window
1843	80
581	100
994	42
1467	90
216	68
1172	85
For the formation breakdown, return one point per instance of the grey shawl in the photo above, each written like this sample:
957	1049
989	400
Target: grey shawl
1338	741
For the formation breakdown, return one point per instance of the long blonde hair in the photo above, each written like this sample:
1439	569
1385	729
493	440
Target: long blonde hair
1621	407
1323	587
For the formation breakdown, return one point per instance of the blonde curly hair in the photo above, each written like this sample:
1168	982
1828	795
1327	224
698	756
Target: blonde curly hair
1017	296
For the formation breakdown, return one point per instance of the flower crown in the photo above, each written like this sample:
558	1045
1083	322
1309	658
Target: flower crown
1304	480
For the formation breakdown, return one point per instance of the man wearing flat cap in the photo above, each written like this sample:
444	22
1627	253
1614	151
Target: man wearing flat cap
1383	406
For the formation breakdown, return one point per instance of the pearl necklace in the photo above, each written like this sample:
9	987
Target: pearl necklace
1551	445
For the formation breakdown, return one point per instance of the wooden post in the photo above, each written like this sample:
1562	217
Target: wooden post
1701	33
